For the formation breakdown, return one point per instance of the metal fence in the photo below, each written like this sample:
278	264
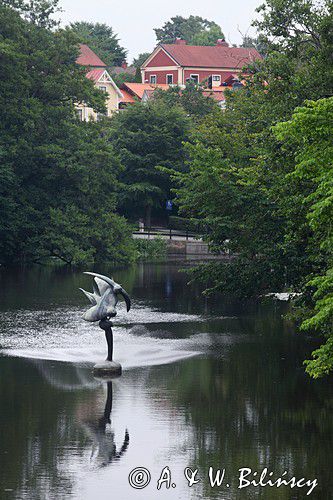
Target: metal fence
165	233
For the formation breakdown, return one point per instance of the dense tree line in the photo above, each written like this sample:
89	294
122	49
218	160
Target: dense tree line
260	174
59	176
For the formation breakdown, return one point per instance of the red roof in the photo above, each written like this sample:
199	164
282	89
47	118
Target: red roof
138	89
88	58
127	97
131	90
118	70
211	56
95	74
217	94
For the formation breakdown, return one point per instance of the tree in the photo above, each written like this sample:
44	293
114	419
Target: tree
59	174
140	59
102	40
38	12
310	134
270	207
191	99
194	29
257	43
145	137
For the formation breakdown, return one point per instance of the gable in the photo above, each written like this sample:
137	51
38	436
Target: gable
102	76
105	78
161	59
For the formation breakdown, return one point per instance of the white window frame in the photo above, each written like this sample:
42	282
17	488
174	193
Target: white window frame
166	79
196	75
103	88
153	76
216	78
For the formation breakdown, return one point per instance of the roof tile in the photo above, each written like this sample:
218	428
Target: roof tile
211	56
88	58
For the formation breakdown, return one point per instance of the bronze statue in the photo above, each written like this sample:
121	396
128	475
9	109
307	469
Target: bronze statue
104	300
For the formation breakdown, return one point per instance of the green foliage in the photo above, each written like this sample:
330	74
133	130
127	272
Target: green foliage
140	59
146	137
59	175
102	40
38	12
263	190
310	134
259	43
322	362
120	78
194	29
191	99
155	249
183	224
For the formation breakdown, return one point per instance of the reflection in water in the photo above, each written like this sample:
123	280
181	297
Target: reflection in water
242	401
104	450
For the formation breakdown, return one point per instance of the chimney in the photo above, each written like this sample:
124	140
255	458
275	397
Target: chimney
222	43
180	41
124	65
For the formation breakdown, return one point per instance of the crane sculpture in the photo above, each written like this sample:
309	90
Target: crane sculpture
104	300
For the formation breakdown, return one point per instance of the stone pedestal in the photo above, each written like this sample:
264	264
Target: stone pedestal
107	369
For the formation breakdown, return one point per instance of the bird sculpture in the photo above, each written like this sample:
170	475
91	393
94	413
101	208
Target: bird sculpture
104	298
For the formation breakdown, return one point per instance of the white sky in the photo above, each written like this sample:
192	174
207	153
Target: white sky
134	20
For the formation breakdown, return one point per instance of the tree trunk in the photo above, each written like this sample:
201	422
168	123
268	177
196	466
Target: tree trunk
148	216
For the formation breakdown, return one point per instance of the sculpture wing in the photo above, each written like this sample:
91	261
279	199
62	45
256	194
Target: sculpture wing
96	289
107	280
126	297
90	296
101	286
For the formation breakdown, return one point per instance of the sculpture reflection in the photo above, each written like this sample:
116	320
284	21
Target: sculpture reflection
104	450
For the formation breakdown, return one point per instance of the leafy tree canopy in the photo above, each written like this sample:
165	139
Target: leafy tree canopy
140	59
310	134
191	99
264	193
102	40
59	175
194	29
146	137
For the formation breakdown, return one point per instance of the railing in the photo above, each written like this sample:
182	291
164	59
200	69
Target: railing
166	233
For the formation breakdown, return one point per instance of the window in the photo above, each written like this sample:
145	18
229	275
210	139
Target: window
216	78
152	79
102	88
195	78
169	79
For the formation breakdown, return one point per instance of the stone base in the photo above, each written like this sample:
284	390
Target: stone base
107	369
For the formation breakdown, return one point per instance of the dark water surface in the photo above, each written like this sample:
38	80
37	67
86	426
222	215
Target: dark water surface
206	383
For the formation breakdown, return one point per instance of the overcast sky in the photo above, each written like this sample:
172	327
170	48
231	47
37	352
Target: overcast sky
134	20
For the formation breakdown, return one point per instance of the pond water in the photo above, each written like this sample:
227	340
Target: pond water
206	383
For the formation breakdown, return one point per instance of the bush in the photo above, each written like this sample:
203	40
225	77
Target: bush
155	249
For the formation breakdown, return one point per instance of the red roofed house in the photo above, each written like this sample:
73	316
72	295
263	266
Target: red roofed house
96	71
177	63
